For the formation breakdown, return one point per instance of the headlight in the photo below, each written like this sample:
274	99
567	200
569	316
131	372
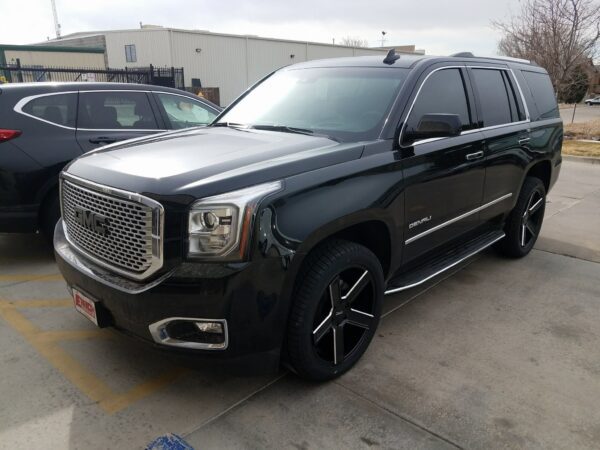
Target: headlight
220	226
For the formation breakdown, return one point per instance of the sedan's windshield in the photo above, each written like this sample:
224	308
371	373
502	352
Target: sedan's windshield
346	103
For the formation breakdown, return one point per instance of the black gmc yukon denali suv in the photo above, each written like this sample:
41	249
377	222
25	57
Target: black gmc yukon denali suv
273	235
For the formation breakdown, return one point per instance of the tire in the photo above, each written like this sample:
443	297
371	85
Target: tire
525	220
49	215
327	337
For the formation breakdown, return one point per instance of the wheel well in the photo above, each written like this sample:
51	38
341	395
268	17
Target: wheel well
372	234
541	170
48	196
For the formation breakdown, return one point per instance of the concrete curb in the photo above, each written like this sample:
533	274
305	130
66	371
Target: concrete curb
581	159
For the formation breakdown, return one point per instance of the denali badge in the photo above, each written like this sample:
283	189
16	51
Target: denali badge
91	220
419	222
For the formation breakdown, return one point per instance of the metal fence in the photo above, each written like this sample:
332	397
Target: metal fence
161	76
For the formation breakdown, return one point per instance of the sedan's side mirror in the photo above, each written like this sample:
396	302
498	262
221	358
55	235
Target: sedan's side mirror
435	126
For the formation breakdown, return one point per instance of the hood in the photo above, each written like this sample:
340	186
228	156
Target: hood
197	162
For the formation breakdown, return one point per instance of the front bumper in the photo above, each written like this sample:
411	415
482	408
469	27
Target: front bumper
247	297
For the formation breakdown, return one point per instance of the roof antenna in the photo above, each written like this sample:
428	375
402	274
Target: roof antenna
391	57
462	55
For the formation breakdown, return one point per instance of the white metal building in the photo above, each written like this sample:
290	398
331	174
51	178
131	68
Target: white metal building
229	62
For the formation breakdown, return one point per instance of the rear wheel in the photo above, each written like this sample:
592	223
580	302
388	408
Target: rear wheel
525	221
336	310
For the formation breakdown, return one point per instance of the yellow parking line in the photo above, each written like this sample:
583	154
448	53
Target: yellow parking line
18	322
121	401
45	342
31	277
70	335
47	303
84	380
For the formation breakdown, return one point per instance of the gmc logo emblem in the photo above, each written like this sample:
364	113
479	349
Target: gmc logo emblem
91	220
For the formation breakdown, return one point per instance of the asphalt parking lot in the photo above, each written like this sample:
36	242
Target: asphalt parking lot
584	113
499	354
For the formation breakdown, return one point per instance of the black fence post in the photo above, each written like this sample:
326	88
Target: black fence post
19	73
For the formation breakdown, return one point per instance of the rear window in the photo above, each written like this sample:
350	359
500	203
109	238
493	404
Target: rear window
543	94
115	110
58	109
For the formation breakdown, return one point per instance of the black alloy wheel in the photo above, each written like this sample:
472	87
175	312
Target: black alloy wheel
524	223
531	221
336	310
344	315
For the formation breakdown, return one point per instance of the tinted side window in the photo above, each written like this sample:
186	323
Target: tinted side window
115	110
183	112
442	93
59	109
543	94
493	97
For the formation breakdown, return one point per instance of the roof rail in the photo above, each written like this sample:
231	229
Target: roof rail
502	58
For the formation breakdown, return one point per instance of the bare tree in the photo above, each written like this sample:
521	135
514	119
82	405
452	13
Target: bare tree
558	35
351	41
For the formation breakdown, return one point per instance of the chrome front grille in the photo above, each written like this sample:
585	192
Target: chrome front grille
129	239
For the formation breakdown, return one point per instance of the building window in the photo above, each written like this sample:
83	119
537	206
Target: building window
130	54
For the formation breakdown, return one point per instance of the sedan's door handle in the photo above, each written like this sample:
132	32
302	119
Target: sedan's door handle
523	141
476	155
102	140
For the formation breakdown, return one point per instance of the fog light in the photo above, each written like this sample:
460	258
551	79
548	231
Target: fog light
210	327
191	333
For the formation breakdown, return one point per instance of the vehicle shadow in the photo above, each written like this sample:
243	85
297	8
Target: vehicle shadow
24	252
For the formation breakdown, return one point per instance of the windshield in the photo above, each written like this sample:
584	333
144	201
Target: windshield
346	103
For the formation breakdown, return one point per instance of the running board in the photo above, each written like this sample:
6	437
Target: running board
442	263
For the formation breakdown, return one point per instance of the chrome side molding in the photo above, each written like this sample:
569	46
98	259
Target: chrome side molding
456	219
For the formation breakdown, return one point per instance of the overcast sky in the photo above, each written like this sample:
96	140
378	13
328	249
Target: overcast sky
432	25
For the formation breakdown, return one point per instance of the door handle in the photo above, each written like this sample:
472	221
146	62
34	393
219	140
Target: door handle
476	155
102	140
523	141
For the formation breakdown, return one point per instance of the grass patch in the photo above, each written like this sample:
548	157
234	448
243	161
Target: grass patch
583	130
578	148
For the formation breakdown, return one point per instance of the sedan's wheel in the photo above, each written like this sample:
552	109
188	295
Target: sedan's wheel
525	221
336	310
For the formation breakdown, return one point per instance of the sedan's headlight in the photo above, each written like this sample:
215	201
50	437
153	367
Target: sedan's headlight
220	226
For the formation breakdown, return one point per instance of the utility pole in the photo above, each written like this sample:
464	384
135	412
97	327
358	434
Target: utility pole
56	24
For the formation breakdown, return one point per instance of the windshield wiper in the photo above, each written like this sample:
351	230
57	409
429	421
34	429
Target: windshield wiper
229	125
286	129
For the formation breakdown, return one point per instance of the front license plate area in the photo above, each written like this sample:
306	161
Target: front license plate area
89	308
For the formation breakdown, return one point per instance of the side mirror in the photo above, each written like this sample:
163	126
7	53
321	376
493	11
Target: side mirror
435	126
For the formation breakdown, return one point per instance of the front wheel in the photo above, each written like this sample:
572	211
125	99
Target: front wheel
525	221
336	310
